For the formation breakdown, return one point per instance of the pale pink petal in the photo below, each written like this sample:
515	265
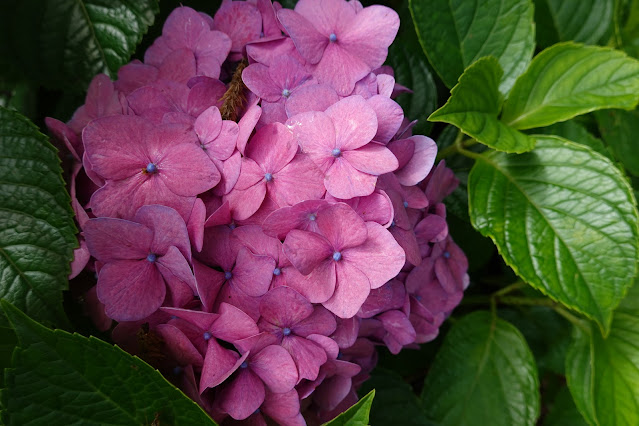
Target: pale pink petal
312	97
342	227
306	250
315	134
308	41
340	69
257	79
241	21
389	117
187	171
421	162
246	125
298	181
272	147
318	286
355	122
344	181
320	321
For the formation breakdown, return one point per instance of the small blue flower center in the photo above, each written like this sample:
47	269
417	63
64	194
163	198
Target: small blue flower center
277	271
337	256
393	223
151	168
151	257
312	216
232	225
228	275
332	37
286	331
207	335
244	364
177	370
268	177
419	298
286	93
405	204
173	317
336	152
446	254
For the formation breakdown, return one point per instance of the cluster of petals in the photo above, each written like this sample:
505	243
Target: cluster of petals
259	259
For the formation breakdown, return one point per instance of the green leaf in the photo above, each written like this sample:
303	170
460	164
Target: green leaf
8	343
603	373
411	70
569	79
574	131
64	43
564	218
357	415
37	233
454	34
395	400
563	411
61	378
474	105
585	21
546	332
620	129
484	374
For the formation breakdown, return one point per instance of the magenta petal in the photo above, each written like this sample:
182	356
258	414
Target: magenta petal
244	203
180	347
380	257
246	125
370	33
372	159
333	391
233	324
432	228
276	368
346	332
389	117
403	150
308	356
284	307
318	286
209	282
420	164
351	291
282	406
177	268
312	97
299	180
344	181
342	226
168	228
306	250
281	221
208	124
187	171
219	364
308	41
397	324
328	344
81	257
111	239
115	145
243	395
256	78
272	147
320	321
252	273
195	226
355	122
241	21
408	242
315	134
205	93
130	289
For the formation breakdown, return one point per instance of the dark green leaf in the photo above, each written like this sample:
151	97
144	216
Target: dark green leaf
546	332
484	374
474	105
395	401
569	79
8	343
563	217
603	373
409	63
563	411
454	34
585	21
357	415
573	131
620	130
64	43
63	379
37	234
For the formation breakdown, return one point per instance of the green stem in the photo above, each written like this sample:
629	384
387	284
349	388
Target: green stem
576	321
530	301
452	149
509	288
